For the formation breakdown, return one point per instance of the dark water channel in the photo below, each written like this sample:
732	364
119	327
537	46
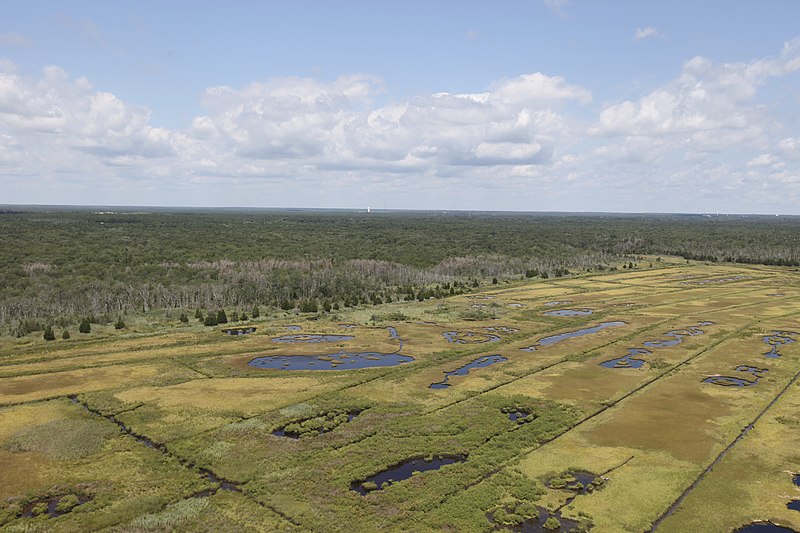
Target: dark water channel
469	337
793	505
481	362
547	341
402	471
674	337
336	361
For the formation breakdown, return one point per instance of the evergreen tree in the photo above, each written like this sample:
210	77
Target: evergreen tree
48	334
221	317
119	324
243	317
183	318
494	281
198	314
65	335
85	327
211	320
256	313
235	316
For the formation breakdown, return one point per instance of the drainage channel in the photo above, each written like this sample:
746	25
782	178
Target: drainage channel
205	473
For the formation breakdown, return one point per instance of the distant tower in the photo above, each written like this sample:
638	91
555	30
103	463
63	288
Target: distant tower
369	210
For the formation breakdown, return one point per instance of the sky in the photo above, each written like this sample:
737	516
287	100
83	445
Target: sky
538	105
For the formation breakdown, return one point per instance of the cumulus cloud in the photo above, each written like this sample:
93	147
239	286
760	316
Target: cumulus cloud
646	33
532	135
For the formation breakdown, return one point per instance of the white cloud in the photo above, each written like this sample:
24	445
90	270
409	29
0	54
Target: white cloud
309	141
646	33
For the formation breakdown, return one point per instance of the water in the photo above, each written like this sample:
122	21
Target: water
518	416
312	338
336	361
627	361
403	471
565	302
793	505
569	312
52	506
239	331
754	370
469	337
777	339
763	527
729	381
281	431
675	337
547	341
293	328
481	362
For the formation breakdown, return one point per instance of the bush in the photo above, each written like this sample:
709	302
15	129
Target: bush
65	335
210	320
48	334
85	327
183	318
198	314
256	313
119	324
221	317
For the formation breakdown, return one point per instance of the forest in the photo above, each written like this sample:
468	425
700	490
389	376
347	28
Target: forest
61	265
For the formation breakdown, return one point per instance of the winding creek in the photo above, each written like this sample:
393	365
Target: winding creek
481	362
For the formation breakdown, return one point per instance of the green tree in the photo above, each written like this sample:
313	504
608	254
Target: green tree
211	320
494	281
198	314
183	318
48	334
235	316
85	327
244	317
119	324
256	313
221	317
65	335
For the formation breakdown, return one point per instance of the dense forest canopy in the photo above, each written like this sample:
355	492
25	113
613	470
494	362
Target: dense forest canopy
67	262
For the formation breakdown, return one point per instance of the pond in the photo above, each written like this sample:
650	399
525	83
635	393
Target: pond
569	312
244	330
341	360
553	339
53	506
675	337
312	338
793	505
292	327
729	381
763	527
627	361
316	425
537	525
469	337
481	362
403	470
777	339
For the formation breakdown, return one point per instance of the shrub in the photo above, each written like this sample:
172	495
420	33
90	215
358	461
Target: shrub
65	335
119	324
48	334
183	318
85	327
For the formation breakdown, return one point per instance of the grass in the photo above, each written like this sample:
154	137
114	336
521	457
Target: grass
651	431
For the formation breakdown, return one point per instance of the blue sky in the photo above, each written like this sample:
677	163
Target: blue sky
540	105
